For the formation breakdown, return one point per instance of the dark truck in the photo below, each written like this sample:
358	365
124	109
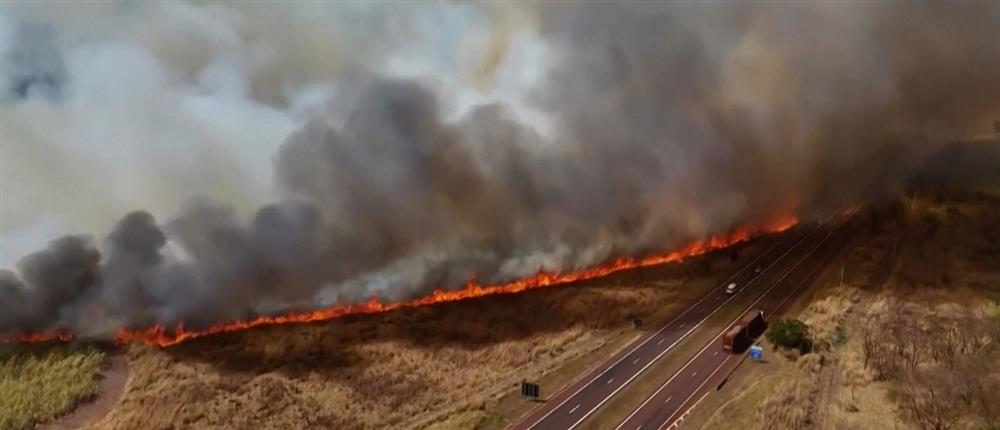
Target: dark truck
741	335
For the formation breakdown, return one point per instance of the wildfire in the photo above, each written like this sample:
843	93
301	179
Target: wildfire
37	337
161	336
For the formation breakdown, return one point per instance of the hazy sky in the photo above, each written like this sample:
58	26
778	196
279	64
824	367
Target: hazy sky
233	159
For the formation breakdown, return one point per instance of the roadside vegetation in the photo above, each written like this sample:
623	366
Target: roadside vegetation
40	383
904	327
790	333
943	366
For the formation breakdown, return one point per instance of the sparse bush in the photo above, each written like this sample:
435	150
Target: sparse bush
929	398
840	336
811	362
940	365
791	406
790	333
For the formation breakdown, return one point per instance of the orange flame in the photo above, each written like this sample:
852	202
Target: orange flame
161	336
62	336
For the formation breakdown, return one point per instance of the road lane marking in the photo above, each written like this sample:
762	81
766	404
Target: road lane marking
759	298
762	295
677	423
694	374
716	353
668	399
693	393
683	336
661	341
610	380
711	293
574	408
636	360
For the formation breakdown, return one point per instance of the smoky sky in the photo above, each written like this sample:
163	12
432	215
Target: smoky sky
633	127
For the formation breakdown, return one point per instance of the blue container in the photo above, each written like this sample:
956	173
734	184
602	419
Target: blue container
756	353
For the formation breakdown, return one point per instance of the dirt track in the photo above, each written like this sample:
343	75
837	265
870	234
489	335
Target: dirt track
109	391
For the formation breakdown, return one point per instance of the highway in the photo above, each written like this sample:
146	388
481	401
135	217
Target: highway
780	264
667	407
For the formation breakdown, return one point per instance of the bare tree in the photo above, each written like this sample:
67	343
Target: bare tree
871	343
928	398
854	378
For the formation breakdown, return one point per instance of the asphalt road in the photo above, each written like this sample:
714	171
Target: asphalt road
568	408
669	405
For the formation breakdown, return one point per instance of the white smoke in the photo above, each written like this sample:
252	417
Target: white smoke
153	103
272	156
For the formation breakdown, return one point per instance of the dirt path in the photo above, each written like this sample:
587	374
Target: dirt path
109	391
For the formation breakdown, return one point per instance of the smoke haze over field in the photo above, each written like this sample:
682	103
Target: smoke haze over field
273	156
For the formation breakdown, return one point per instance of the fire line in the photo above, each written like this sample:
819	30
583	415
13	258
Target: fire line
163	337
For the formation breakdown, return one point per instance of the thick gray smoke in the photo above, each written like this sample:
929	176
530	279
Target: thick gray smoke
605	130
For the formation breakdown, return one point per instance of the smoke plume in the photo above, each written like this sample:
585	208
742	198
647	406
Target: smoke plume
322	153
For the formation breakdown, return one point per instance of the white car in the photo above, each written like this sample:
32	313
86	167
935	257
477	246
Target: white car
731	288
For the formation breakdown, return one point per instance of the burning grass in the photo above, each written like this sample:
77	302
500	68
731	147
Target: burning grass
415	368
41	383
441	366
162	336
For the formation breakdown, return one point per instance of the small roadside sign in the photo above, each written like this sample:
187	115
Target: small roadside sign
530	390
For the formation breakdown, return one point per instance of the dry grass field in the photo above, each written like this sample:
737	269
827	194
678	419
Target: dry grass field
39	383
904	342
458	365
454	365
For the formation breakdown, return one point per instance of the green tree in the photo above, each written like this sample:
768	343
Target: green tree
790	333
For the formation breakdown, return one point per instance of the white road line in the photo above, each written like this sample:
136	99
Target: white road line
761	296
684	336
668	399
661	341
589	370
574	408
711	293
716	353
694	374
636	360
678	423
682	325
609	381
709	378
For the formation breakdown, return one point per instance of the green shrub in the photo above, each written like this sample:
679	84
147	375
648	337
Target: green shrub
790	333
840	337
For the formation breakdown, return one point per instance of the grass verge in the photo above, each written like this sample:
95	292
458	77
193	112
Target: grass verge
932	259
40	383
